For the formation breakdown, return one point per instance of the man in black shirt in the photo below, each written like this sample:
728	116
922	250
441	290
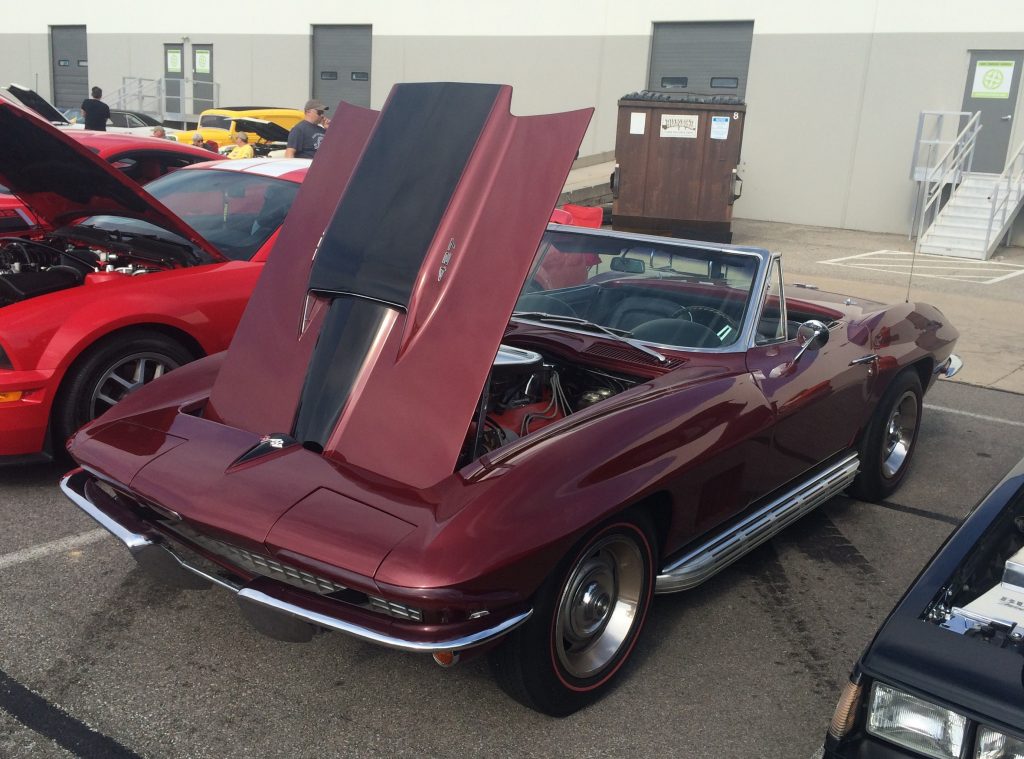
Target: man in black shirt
96	111
305	137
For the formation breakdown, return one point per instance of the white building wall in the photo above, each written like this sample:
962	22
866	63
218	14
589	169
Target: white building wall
833	95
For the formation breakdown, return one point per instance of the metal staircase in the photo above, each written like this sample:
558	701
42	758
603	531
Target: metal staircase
966	214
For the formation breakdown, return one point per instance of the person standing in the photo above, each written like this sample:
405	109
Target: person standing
305	137
159	131
96	111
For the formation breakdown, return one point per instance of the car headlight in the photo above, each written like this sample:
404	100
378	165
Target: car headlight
995	745
914	723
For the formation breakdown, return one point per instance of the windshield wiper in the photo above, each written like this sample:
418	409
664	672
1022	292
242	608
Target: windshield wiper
620	335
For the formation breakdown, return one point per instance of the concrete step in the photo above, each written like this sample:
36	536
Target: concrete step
966	231
953	241
942	249
962	220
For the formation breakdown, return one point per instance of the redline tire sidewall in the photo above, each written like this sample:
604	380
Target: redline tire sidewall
634	634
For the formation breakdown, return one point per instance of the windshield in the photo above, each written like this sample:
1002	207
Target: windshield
666	294
214	121
234	211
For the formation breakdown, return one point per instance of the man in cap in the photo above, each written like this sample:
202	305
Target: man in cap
305	137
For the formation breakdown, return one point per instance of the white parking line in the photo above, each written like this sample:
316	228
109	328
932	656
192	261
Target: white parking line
930	266
54	546
984	418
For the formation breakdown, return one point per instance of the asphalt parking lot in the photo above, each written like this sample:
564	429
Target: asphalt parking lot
99	659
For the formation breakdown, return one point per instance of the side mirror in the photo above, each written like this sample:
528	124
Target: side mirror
810	336
628	265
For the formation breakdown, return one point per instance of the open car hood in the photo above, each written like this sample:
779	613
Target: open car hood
376	349
32	100
61	180
265	130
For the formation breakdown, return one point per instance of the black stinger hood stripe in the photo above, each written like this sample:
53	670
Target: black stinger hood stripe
377	240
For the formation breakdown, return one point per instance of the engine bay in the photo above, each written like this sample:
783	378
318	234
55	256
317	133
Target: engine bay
984	599
30	267
527	391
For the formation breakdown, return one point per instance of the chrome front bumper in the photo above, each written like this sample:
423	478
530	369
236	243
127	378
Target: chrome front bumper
950	367
140	539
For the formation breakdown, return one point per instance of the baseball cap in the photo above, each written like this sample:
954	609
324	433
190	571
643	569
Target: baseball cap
314	105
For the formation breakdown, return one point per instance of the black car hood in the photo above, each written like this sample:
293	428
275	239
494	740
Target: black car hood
31	99
61	180
968	674
265	130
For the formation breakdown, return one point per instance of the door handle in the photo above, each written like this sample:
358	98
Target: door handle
873	358
1005	118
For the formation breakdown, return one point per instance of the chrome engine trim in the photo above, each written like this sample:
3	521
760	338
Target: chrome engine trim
722	549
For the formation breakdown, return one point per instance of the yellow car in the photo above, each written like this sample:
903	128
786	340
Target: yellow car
218	124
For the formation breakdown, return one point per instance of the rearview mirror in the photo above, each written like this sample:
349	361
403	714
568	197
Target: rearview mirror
628	265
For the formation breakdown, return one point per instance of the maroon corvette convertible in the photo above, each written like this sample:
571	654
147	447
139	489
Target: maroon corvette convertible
453	430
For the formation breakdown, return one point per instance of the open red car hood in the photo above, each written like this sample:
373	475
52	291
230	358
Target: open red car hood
61	180
377	348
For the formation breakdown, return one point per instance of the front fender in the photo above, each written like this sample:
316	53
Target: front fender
508	525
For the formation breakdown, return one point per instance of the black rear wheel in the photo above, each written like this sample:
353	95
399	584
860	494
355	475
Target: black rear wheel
890	439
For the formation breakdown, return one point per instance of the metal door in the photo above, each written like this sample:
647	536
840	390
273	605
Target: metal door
174	78
202	78
993	80
341	64
69	65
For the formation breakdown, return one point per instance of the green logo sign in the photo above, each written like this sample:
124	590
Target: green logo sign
992	80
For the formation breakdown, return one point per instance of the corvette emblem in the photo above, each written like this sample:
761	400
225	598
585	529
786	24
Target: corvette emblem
271	443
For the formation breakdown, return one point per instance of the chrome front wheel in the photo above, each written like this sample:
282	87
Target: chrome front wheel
586	620
598	606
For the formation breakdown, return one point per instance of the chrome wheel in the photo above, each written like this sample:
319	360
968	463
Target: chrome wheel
899	432
126	375
598	606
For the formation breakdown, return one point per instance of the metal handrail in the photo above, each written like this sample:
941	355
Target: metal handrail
1011	179
950	169
148	95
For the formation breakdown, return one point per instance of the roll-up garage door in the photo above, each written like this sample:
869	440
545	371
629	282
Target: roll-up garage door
341	64
70	66
705	57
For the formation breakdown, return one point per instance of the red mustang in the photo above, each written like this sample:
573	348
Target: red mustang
432	434
118	285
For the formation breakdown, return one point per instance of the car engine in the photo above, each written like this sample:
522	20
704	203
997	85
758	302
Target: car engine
32	267
985	597
527	392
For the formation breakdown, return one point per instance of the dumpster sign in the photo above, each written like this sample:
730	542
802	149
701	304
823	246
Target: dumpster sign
675	125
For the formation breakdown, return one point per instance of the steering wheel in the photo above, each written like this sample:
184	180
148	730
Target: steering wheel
719	322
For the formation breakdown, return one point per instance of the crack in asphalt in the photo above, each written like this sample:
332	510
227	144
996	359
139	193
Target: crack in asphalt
53	723
924	513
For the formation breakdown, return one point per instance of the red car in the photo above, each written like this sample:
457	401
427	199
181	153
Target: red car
449	430
120	284
140	158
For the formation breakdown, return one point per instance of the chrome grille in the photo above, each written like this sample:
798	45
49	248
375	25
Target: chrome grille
264	566
392	609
